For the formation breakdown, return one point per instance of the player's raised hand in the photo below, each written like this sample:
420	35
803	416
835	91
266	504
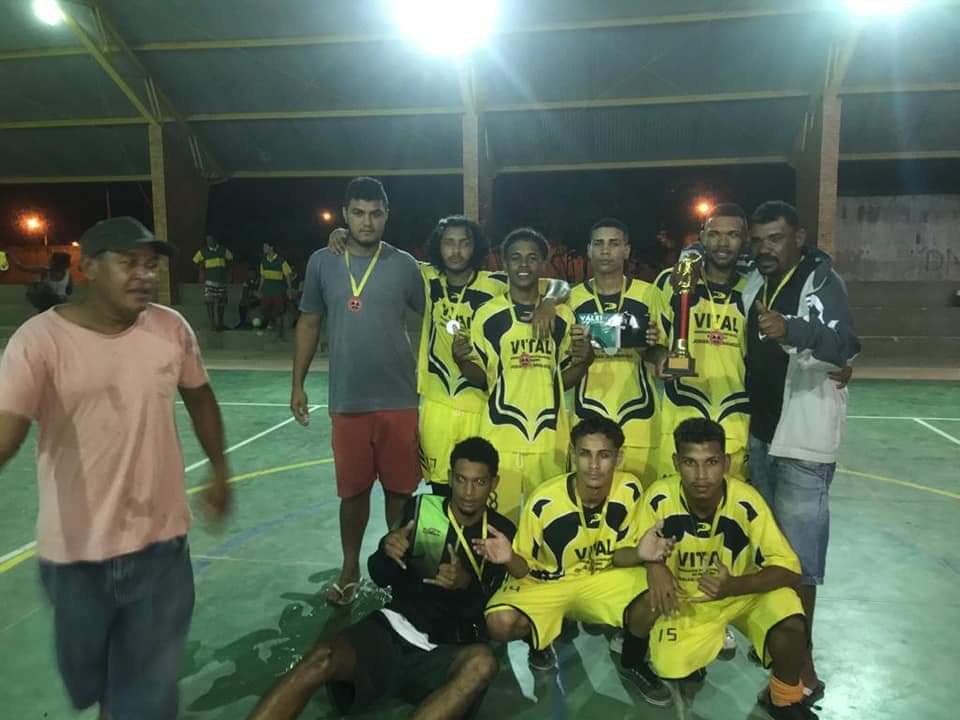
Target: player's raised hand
496	549
665	592
770	323
716	585
397	543
581	349
544	316
653	334
653	546
462	348
450	575
337	242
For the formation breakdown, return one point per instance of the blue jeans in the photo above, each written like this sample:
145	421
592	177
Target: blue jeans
120	628
798	493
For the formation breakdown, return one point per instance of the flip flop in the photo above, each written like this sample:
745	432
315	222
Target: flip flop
344	596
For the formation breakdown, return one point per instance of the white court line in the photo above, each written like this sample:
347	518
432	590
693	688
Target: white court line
249	404
16	552
937	430
194	466
899	417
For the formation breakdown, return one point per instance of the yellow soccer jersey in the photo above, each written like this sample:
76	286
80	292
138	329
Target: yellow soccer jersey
551	536
438	377
525	407
617	386
718	344
743	533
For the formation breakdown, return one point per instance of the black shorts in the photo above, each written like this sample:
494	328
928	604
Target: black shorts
389	667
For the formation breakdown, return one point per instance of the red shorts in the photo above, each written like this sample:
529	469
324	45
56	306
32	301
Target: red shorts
271	307
375	444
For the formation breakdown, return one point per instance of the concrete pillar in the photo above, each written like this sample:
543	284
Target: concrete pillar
477	176
817	165
179	206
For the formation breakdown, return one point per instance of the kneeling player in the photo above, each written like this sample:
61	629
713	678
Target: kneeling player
577	551
730	565
427	646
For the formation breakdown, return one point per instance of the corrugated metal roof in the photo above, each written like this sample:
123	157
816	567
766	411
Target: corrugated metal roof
632	52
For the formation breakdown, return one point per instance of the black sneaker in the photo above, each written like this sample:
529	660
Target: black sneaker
797	711
542	660
647	683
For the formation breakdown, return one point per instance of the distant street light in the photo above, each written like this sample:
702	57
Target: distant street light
34	224
703	208
326	216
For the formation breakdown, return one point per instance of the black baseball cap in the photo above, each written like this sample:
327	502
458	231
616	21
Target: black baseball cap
121	234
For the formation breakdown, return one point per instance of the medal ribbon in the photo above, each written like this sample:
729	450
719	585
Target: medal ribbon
786	278
592	535
596	297
460	300
478	569
357	289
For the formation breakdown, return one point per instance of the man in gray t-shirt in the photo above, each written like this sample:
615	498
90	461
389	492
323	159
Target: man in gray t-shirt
364	295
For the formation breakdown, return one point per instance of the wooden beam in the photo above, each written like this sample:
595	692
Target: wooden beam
57	179
645	164
346	172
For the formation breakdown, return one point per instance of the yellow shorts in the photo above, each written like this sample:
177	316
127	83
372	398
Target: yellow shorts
520	473
692	640
441	427
738	459
599	599
642	462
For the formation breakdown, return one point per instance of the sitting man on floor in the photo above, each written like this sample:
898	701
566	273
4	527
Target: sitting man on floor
578	553
428	645
731	565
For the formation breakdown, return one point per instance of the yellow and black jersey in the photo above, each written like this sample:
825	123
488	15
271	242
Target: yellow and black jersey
553	540
718	344
214	261
525	405
743	533
438	377
617	386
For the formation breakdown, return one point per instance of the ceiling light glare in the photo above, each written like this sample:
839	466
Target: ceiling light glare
879	7
450	28
48	11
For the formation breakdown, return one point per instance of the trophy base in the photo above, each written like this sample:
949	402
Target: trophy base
680	366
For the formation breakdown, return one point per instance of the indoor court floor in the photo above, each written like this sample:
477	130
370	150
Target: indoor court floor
886	627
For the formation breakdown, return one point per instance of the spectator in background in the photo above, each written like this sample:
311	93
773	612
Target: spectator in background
275	279
214	258
55	284
248	299
294	295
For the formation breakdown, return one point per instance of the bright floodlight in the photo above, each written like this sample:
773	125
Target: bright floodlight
879	7
48	11
446	27
703	208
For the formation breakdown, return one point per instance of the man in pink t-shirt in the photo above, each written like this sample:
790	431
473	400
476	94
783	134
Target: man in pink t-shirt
100	378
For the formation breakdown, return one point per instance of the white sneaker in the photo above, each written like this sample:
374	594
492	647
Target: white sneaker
616	643
729	650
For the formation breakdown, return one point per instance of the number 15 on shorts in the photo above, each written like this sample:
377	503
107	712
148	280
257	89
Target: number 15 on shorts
667	635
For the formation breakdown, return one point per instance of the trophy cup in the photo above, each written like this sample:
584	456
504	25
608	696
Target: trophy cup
679	361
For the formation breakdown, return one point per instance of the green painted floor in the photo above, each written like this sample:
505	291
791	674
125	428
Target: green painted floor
886	627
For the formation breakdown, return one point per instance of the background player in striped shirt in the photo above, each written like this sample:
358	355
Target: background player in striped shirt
214	259
618	386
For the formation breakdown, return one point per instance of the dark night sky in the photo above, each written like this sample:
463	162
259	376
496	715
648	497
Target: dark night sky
243	213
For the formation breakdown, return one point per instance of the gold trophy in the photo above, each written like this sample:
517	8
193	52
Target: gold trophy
679	362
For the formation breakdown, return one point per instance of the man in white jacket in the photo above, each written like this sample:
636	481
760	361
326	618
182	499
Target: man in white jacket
799	330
